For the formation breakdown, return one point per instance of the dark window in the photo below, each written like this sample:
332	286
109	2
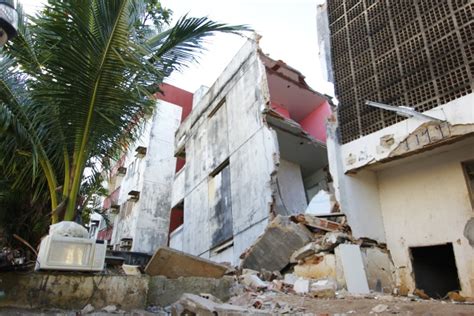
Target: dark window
435	270
220	204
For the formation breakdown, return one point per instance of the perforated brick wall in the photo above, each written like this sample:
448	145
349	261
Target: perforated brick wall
417	53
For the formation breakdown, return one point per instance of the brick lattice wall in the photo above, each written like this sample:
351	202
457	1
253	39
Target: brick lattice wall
418	53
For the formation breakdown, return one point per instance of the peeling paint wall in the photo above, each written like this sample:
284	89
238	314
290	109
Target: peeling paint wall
227	123
426	202
147	220
411	136
404	185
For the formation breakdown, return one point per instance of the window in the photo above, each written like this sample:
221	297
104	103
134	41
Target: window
220	205
468	167
180	159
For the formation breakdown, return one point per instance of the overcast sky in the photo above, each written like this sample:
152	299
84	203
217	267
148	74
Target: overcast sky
288	29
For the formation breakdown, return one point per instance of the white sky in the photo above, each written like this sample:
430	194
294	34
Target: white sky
288	29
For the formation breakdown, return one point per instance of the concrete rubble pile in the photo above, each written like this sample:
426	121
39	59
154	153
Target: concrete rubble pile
303	255
317	257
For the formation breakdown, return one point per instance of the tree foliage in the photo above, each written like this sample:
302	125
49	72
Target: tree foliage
76	83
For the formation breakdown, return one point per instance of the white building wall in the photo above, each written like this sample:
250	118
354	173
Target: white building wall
235	131
404	185
147	220
426	202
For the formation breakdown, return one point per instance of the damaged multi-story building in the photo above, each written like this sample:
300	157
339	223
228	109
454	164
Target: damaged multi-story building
208	180
403	165
253	147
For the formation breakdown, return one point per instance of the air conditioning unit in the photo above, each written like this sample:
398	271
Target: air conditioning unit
71	253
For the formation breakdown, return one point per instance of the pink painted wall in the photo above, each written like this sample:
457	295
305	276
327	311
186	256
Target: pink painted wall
315	122
281	110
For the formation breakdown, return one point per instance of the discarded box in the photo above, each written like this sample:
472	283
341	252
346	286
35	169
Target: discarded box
174	264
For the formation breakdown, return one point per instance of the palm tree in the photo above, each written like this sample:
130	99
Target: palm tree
77	81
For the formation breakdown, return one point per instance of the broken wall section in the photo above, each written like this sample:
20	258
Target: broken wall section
298	116
406	183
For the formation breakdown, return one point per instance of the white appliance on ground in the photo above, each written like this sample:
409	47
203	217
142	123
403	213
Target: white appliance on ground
71	253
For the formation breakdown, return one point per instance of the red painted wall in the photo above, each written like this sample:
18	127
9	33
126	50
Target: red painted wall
180	162
182	98
177	218
176	96
281	110
315	122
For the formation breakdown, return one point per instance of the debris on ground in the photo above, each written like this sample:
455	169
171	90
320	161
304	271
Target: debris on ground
89	308
421	294
456	297
379	308
191	304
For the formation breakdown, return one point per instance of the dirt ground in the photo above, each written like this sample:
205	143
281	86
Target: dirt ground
300	305
364	306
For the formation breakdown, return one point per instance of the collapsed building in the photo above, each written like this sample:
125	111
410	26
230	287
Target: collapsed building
253	147
405	181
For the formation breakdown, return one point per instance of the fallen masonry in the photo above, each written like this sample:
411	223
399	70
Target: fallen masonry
298	265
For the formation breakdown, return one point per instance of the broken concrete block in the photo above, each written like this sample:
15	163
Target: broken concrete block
253	281
249	271
421	294
131	270
316	222
353	268
379	269
87	309
290	278
110	308
325	288
301	286
380	308
455	296
305	251
272	250
190	304
332	239
317	267
174	264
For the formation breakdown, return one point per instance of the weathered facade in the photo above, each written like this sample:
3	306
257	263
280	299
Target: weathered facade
254	147
141	181
406	182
